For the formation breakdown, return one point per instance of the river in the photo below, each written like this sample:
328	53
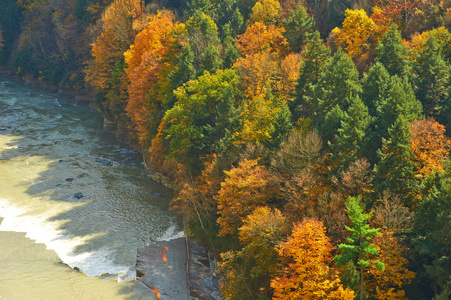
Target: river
75	203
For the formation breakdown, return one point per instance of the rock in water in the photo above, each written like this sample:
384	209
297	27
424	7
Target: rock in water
78	195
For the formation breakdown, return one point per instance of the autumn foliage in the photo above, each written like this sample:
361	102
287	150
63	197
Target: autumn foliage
430	146
308	274
244	188
267	115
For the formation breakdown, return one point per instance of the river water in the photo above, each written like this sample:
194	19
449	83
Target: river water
75	204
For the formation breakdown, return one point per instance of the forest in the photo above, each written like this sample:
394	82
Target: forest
308	140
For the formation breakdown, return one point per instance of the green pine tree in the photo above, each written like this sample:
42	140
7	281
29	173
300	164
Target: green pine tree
375	87
431	242
230	51
392	53
314	57
432	75
337	85
328	129
400	101
352	136
395	170
298	28
211	60
357	248
183	73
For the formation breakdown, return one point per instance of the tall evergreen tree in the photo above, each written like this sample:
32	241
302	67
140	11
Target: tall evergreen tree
230	51
337	85
395	170
432	75
392	53
298	28
357	248
400	101
329	127
431	242
375	87
314	57
183	73
229	14
352	136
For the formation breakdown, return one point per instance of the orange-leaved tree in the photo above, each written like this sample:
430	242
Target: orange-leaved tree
388	285
149	62
307	273
116	36
245	188
429	145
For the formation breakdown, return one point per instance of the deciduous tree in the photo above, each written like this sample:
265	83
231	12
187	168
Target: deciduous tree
115	38
245	187
307	274
149	61
265	11
389	283
205	112
357	34
430	146
248	272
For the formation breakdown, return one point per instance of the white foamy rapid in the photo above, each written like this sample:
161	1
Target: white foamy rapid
171	234
41	230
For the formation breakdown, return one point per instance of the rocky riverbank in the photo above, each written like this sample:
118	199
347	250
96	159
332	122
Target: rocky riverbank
179	269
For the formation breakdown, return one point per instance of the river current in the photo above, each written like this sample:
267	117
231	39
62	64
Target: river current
75	203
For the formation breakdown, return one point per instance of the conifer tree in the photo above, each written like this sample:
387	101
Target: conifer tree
431	242
392	53
400	101
185	70
357	248
375	87
395	171
314	57
230	51
337	84
298	28
432	78
332	121
352	136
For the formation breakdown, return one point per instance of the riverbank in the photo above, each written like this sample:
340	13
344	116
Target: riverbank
189	268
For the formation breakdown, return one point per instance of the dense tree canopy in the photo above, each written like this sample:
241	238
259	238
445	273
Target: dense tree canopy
270	117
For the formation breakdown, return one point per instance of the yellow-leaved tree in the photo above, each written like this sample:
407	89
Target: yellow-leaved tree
307	273
387	285
245	188
360	34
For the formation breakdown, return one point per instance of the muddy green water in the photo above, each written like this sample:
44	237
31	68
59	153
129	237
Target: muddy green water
54	245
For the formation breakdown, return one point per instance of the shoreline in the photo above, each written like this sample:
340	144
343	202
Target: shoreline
190	259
